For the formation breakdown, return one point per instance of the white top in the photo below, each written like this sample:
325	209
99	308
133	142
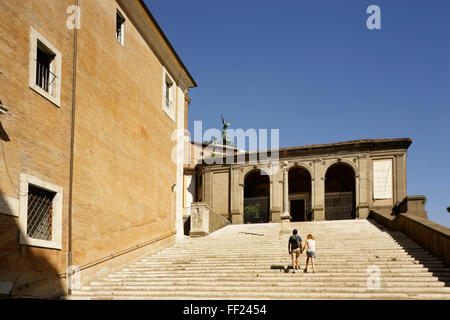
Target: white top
311	245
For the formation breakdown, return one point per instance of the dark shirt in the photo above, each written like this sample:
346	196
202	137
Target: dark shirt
294	242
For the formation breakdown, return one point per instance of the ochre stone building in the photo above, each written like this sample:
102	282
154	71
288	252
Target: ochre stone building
91	174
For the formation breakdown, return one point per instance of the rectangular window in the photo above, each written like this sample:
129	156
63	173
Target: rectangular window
40	213
45	68
44	76
169	88
120	28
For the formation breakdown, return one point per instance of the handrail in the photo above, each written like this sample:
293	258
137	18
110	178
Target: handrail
114	255
218	214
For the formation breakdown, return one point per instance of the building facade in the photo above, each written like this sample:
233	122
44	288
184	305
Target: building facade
318	182
92	172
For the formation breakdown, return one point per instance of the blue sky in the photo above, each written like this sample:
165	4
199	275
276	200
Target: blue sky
315	71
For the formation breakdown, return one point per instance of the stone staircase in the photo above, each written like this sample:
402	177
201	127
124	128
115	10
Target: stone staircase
248	262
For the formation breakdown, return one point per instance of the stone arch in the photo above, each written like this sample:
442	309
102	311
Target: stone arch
340	191
343	161
246	170
305	166
300	193
256	194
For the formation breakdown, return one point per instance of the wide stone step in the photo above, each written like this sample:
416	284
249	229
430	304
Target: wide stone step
259	268
312	277
284	289
250	259
248	296
246	263
273	296
269	289
262	251
253	274
262	283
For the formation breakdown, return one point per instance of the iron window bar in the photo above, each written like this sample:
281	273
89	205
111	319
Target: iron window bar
168	104
40	213
44	77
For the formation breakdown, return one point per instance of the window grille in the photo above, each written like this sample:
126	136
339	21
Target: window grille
44	77
40	213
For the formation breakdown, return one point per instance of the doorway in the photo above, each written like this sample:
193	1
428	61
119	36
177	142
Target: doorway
256	197
340	192
298	210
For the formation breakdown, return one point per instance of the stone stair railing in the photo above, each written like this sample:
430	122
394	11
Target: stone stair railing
204	220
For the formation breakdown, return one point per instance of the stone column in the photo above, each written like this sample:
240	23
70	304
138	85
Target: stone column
237	216
207	187
319	190
276	196
363	207
400	178
285	216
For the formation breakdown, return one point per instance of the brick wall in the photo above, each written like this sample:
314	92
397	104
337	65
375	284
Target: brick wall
39	134
123	171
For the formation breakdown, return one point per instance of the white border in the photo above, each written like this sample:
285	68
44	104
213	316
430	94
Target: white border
55	96
55	243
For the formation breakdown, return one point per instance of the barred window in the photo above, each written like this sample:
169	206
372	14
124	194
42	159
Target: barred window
45	68
40	213
44	63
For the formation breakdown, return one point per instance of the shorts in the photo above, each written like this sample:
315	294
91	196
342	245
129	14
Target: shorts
295	252
311	254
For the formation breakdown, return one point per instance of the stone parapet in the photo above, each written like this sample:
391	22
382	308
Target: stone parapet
205	220
431	236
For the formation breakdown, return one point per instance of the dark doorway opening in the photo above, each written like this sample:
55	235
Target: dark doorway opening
256	198
300	194
340	192
298	212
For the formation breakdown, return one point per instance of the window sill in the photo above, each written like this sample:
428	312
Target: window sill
55	100
24	240
171	116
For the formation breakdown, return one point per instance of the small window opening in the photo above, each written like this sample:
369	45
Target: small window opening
120	28
44	75
40	213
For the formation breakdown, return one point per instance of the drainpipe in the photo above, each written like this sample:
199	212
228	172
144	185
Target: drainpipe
72	144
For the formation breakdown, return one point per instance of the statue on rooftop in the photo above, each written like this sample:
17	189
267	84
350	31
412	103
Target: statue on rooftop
225	139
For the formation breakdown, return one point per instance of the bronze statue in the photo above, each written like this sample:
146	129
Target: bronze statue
225	139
